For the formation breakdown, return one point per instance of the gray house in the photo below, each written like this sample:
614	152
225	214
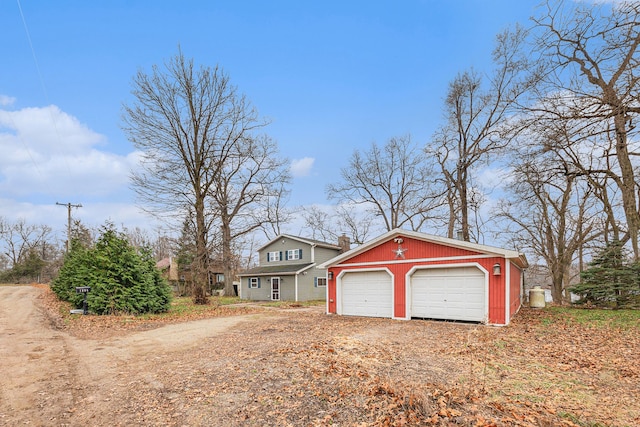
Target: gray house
288	270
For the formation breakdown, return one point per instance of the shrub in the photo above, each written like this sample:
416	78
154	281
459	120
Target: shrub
122	279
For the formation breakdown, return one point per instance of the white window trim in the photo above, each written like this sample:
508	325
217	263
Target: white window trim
293	254
273	256
324	279
252	281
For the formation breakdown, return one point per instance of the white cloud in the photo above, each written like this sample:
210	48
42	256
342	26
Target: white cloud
494	178
6	100
46	151
49	156
615	3
92	215
46	131
302	167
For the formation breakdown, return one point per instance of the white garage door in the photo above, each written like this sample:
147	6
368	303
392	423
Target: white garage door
367	293
449	293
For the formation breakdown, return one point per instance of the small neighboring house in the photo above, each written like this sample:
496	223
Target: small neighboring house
169	269
180	277
404	274
289	271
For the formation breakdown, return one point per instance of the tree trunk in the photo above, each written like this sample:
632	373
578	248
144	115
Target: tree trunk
227	258
557	275
464	204
451	224
200	271
629	201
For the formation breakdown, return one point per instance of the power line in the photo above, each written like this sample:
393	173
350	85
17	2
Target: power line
42	84
69	206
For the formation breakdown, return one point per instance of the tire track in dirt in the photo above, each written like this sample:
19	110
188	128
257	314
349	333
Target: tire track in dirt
49	377
35	362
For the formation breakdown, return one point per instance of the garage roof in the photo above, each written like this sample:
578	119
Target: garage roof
516	257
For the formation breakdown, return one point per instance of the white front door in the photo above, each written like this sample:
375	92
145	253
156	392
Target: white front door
275	289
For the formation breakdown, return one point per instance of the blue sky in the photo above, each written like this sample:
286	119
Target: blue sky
332	76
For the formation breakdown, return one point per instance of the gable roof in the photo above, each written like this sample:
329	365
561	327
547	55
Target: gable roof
163	263
310	242
517	257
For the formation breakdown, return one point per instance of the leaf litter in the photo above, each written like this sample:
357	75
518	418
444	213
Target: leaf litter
300	367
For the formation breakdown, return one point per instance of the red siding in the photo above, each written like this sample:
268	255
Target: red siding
331	291
415	249
514	295
382	256
496	292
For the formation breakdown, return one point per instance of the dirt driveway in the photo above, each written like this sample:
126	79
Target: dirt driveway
303	368
52	378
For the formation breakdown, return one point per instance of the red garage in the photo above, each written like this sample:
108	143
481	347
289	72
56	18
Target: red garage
405	274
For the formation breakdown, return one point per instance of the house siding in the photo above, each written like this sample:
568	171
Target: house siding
323	255
306	289
282	246
287	288
263	293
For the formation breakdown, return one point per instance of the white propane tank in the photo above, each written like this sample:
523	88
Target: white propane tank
536	297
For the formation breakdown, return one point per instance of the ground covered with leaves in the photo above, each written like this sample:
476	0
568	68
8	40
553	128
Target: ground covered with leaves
296	366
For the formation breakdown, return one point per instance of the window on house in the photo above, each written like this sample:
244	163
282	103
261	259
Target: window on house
254	282
273	256
293	254
321	281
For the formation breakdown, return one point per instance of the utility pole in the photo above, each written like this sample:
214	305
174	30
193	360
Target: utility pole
69	206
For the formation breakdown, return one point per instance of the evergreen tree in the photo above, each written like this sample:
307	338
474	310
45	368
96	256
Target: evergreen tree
122	279
611	279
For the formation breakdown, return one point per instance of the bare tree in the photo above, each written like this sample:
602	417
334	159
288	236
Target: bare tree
358	225
19	238
320	223
250	178
162	245
137	237
28	250
185	121
477	112
593	81
552	212
347	219
393	180
588	153
277	214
